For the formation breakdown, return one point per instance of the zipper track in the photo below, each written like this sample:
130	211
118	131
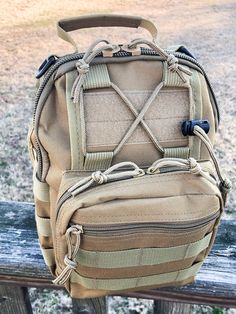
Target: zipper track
77	56
103	230
67	195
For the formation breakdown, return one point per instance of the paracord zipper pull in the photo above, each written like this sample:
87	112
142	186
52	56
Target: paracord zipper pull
70	258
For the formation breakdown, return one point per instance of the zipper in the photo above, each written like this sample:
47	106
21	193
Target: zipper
120	229
57	62
68	195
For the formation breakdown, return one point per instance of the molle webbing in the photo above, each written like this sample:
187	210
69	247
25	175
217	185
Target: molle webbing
127	283
43	226
176	152
100	160
142	256
97	77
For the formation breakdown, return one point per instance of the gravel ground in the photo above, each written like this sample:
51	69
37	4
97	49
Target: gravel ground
27	34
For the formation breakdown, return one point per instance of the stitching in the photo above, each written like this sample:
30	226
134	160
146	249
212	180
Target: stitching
179	140
145	92
105	217
146	119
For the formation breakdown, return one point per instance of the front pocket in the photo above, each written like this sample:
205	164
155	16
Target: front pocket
148	230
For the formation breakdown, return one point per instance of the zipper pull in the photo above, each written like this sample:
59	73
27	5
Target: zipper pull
189	164
70	257
99	177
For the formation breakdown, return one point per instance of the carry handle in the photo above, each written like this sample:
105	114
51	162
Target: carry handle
102	20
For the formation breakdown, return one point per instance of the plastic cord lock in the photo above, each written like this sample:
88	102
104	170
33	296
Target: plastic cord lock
188	126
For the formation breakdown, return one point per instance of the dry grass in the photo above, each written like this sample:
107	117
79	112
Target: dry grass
28	35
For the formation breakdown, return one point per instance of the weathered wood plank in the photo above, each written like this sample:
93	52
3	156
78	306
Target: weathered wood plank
21	262
90	306
14	300
164	307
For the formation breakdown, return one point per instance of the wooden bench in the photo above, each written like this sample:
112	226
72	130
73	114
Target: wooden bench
22	266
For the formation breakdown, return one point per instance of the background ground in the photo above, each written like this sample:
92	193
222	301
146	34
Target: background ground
27	36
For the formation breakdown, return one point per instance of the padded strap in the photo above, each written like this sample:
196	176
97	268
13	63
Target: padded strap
102	20
128	283
141	257
43	226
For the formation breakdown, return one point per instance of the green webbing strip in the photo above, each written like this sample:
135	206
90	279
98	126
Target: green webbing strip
48	255
98	161
97	77
43	226
172	79
73	111
176	152
143	256
127	283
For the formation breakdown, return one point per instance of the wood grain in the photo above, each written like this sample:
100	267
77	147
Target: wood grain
14	300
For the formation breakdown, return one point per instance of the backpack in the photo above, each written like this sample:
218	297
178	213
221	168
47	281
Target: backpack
128	192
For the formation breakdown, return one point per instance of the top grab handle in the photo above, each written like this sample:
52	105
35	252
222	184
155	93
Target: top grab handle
102	20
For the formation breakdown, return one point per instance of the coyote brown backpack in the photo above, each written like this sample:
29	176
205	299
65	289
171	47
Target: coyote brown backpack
127	188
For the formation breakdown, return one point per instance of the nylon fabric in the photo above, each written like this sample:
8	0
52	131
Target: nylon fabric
48	255
123	199
43	226
127	283
176	152
100	160
141	257
97	77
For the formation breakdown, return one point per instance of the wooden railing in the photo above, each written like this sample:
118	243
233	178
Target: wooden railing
22	266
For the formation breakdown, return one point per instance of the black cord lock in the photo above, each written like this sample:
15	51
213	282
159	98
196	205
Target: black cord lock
188	126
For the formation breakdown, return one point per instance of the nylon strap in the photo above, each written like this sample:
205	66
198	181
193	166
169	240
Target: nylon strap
127	283
97	77
99	160
73	111
43	226
176	152
172	79
48	255
195	112
40	189
143	256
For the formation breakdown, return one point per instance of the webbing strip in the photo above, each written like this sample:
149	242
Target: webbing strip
43	226
48	255
172	79
142	256
73	112
40	189
99	160
97	77
195	112
176	152
127	283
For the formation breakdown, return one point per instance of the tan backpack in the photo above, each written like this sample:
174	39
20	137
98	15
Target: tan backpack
127	189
